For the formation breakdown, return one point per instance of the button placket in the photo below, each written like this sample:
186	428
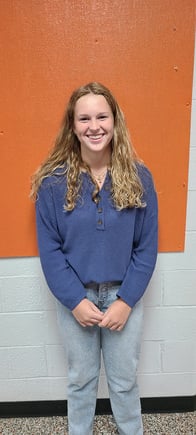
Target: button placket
100	224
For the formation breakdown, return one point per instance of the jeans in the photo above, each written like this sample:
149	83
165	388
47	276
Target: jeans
120	350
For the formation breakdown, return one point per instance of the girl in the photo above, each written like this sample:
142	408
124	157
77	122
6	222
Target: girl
96	213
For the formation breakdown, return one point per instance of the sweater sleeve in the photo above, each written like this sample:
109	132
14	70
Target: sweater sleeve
144	251
61	278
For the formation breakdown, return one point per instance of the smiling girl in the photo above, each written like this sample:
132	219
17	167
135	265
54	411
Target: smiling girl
96	214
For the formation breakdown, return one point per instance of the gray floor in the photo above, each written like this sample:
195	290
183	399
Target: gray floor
154	424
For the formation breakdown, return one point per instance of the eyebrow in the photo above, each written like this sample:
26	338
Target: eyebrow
98	114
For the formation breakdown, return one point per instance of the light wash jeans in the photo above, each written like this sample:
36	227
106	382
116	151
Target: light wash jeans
120	354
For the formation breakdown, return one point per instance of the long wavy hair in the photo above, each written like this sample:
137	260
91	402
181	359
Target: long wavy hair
126	186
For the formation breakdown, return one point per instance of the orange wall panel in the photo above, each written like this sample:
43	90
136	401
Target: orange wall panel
142	50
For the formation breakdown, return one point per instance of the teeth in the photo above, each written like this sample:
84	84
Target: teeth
96	137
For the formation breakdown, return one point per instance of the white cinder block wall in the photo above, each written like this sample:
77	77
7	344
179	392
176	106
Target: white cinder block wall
31	356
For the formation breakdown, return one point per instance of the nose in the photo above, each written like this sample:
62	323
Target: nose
94	124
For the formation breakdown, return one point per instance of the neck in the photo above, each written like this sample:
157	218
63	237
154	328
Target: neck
97	162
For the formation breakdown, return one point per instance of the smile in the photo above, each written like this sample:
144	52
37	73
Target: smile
95	137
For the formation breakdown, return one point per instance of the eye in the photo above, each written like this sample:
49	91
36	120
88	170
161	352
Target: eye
84	119
102	116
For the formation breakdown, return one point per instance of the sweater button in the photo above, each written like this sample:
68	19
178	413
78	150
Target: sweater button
99	222
97	199
99	210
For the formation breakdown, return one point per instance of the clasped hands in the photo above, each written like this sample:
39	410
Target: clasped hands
114	318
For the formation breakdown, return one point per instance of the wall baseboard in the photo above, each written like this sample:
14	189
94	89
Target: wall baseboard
59	407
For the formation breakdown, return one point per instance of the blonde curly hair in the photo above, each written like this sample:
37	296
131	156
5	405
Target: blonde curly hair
126	186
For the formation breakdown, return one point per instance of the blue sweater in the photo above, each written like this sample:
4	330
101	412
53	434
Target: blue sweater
95	242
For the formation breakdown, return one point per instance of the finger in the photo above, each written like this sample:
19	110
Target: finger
96	319
103	324
97	314
115	328
105	320
88	323
107	324
92	321
96	310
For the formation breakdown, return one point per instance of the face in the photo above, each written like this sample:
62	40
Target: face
93	126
